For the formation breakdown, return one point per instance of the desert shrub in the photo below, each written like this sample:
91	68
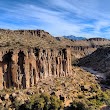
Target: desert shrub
32	100
99	100
95	88
78	106
55	103
40	102
18	104
81	96
46	97
107	97
95	103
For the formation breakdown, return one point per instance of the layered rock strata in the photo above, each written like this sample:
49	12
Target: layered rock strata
23	68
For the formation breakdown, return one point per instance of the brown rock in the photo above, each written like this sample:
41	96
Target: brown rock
14	95
6	96
23	68
1	101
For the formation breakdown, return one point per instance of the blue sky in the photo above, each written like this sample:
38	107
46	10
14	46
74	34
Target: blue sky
88	18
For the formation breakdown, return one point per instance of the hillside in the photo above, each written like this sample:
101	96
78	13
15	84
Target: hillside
99	61
78	91
26	38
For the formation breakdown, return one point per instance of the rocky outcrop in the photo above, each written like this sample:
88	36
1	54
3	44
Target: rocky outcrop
97	39
38	33
81	51
23	68
12	39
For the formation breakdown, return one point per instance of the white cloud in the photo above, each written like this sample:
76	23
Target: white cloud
60	17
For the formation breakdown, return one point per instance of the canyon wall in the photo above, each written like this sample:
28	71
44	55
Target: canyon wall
23	68
78	52
99	61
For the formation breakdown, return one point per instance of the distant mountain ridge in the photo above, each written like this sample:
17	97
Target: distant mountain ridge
72	37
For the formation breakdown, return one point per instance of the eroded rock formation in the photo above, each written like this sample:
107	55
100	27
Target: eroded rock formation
38	33
24	67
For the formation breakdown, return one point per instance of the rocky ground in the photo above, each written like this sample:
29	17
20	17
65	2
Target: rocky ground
80	86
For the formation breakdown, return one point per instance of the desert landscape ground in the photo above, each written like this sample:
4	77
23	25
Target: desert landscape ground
41	72
54	54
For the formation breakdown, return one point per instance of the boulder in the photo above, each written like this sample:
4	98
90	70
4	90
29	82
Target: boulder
14	95
6	97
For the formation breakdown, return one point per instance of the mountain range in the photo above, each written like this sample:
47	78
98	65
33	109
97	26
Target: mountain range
72	37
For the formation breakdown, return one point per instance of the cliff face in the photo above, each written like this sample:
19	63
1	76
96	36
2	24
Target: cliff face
81	51
24	67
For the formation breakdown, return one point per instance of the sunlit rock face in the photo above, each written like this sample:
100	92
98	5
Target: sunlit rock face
22	68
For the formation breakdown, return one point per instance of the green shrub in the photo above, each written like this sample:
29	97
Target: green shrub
78	106
55	103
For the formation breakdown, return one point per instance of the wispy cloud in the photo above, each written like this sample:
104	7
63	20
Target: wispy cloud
60	17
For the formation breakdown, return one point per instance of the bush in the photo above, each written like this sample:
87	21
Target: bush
78	106
55	103
41	102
